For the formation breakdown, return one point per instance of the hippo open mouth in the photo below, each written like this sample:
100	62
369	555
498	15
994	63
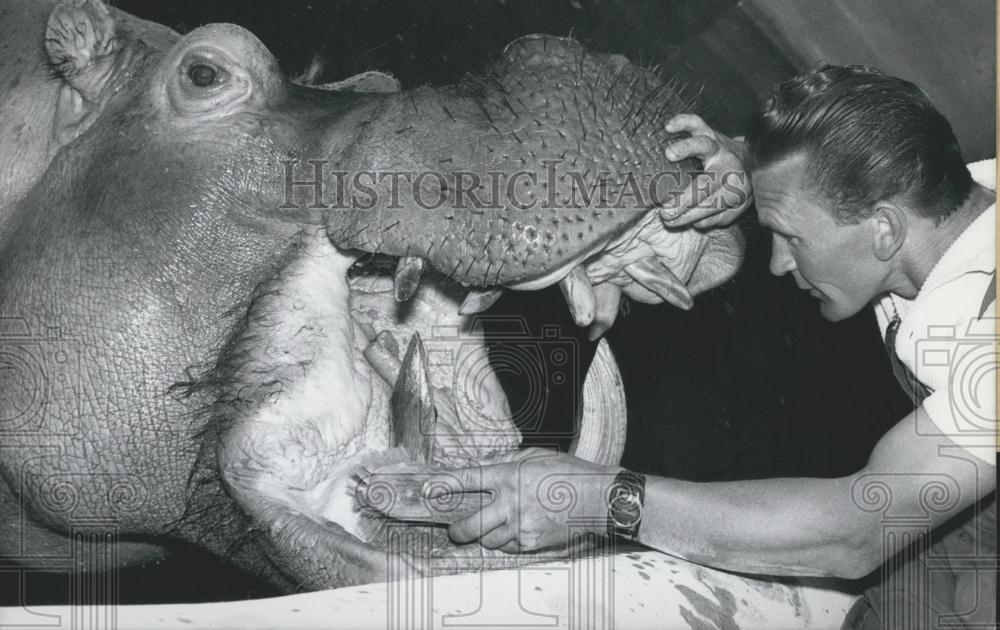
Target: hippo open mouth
330	375
232	368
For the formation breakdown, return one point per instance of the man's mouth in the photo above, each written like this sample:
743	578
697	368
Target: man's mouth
805	285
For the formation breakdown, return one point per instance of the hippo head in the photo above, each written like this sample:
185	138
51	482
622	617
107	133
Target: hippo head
196	226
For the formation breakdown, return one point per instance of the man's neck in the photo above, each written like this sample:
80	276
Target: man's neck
929	242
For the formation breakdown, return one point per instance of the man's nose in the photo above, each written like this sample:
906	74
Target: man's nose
782	260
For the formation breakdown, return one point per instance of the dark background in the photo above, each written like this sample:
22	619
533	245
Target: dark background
750	383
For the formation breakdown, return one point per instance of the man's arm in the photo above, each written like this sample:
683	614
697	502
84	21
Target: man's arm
814	526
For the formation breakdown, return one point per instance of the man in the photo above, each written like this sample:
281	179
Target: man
863	186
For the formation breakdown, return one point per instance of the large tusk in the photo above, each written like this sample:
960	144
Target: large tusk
413	413
601	438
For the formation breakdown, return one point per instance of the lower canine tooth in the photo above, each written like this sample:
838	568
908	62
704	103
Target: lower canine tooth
579	296
478	301
407	278
658	278
383	355
608	299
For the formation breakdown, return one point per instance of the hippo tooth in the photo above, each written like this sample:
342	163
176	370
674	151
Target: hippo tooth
413	413
608	298
407	278
579	295
478	301
382	354
656	277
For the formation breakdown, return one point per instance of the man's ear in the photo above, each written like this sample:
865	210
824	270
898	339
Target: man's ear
81	44
888	230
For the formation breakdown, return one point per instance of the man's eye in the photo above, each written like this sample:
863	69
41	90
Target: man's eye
203	75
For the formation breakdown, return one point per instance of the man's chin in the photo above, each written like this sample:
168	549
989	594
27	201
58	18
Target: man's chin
836	312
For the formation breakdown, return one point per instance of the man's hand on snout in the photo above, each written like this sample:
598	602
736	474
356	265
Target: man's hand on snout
535	494
651	262
720	194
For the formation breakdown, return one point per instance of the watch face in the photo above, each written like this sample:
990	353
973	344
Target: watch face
626	506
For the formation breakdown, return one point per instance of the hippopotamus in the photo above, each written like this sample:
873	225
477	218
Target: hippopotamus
217	307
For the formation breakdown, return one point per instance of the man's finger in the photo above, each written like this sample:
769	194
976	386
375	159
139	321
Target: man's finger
692	215
722	218
512	547
701	147
474	527
499	537
694	207
474	478
719	220
523	454
691	123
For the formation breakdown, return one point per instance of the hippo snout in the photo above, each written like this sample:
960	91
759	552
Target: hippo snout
517	177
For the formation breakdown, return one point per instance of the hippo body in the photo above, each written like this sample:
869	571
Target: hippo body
187	350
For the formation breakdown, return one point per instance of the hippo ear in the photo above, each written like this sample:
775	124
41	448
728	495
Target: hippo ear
80	42
372	81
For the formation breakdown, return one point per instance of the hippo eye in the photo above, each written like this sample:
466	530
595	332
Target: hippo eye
203	75
208	80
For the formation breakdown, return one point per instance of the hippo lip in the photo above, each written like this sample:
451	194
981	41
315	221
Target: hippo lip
571	276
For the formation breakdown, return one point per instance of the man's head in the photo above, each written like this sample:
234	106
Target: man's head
844	160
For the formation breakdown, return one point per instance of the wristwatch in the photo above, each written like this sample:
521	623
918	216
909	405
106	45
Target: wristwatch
625	500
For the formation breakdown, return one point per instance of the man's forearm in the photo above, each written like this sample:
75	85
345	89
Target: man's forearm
771	526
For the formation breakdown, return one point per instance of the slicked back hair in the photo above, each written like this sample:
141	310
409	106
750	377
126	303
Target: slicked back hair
868	138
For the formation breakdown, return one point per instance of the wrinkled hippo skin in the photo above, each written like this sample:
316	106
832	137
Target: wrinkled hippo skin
190	343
